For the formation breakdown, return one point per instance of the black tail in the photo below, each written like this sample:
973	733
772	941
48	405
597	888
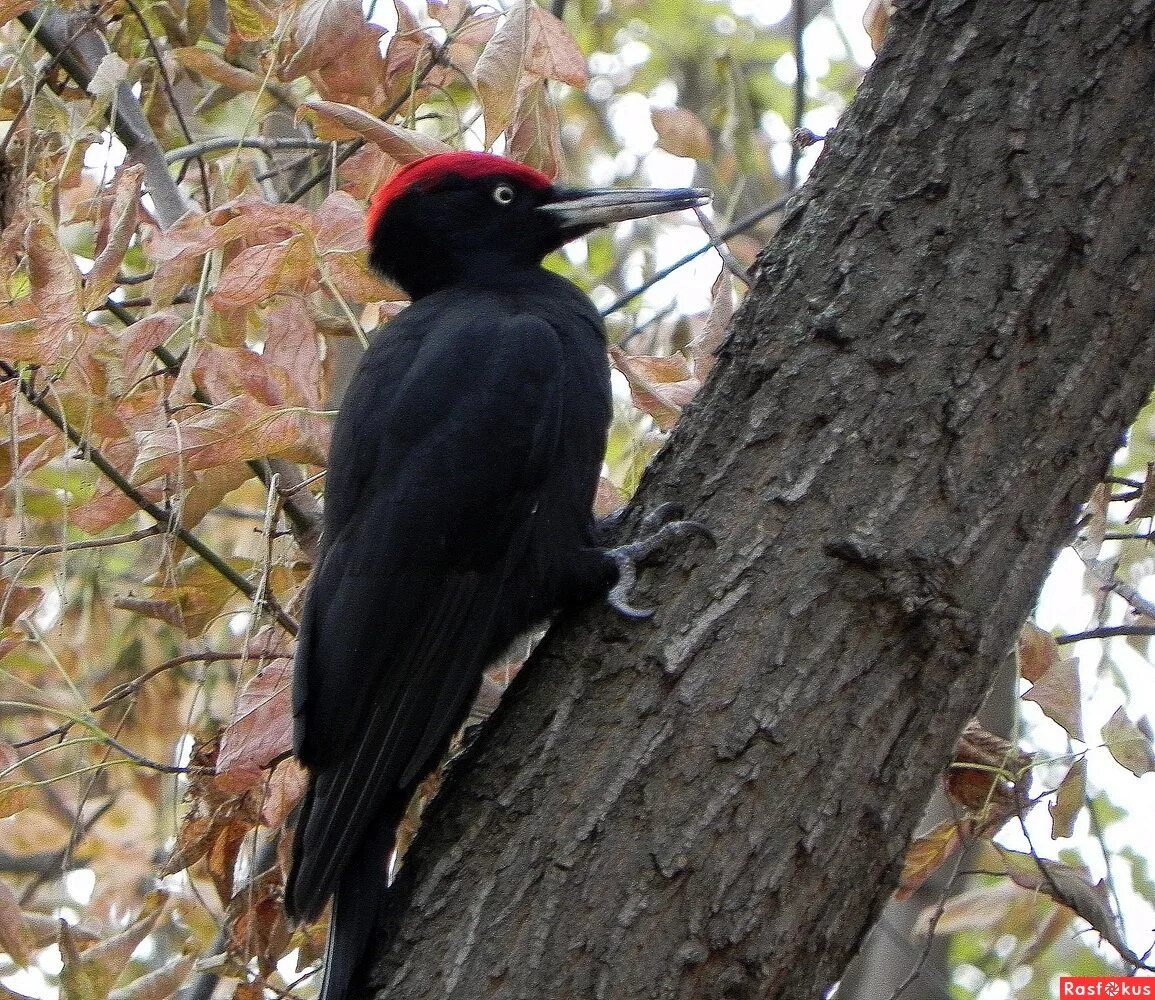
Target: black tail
354	916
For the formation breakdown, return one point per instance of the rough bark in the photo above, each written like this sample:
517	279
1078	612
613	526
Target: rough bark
942	350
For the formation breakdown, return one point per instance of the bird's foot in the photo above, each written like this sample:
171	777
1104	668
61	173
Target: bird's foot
660	532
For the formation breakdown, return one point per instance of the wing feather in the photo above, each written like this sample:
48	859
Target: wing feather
410	598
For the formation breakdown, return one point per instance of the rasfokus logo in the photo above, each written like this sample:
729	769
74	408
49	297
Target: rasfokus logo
1111	987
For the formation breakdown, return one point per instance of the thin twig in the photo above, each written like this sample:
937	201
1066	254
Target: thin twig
223	143
733	265
170	93
1105	632
1116	586
738	226
799	89
33	551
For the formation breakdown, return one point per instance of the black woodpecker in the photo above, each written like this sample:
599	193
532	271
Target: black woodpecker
458	504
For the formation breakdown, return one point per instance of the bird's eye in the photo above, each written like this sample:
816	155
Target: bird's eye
503	194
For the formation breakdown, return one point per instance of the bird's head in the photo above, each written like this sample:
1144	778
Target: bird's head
450	217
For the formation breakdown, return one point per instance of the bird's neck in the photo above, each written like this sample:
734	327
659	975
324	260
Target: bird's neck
491	274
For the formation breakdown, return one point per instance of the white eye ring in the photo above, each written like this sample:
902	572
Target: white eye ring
503	194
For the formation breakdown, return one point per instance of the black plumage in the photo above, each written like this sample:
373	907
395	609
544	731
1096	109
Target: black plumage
458	505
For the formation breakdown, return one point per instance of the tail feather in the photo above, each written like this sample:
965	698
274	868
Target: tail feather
354	917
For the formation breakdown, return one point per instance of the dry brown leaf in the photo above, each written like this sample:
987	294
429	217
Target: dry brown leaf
210	65
1145	505
139	340
1059	695
1036	652
340	224
989	776
1070	799
365	171
160	984
682	133
48	323
342	121
535	134
448	13
1093	527
926	855
552	52
1129	742
122	220
660	386
410	53
1072	887
876	19
293	347
283	790
14	939
258	272
332	39
12	9
261	728
530	44
356	281
257	924
15	795
90	974
704	347
609	498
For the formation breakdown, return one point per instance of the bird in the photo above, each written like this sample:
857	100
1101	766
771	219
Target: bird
458	510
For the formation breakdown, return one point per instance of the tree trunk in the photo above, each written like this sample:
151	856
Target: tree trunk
941	352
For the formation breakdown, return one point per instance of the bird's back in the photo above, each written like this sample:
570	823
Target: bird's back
464	464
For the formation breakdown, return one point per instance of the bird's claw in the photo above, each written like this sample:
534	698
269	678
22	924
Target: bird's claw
660	532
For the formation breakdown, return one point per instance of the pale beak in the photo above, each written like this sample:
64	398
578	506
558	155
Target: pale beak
583	210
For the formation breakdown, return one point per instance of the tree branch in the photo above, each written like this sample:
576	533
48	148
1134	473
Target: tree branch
79	47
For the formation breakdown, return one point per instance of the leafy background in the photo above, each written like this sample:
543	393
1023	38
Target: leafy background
182	191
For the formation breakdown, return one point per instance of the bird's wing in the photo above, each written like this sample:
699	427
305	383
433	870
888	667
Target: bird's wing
411	596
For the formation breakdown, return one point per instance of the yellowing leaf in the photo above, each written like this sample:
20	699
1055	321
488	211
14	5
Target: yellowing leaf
682	133
1129	742
252	19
